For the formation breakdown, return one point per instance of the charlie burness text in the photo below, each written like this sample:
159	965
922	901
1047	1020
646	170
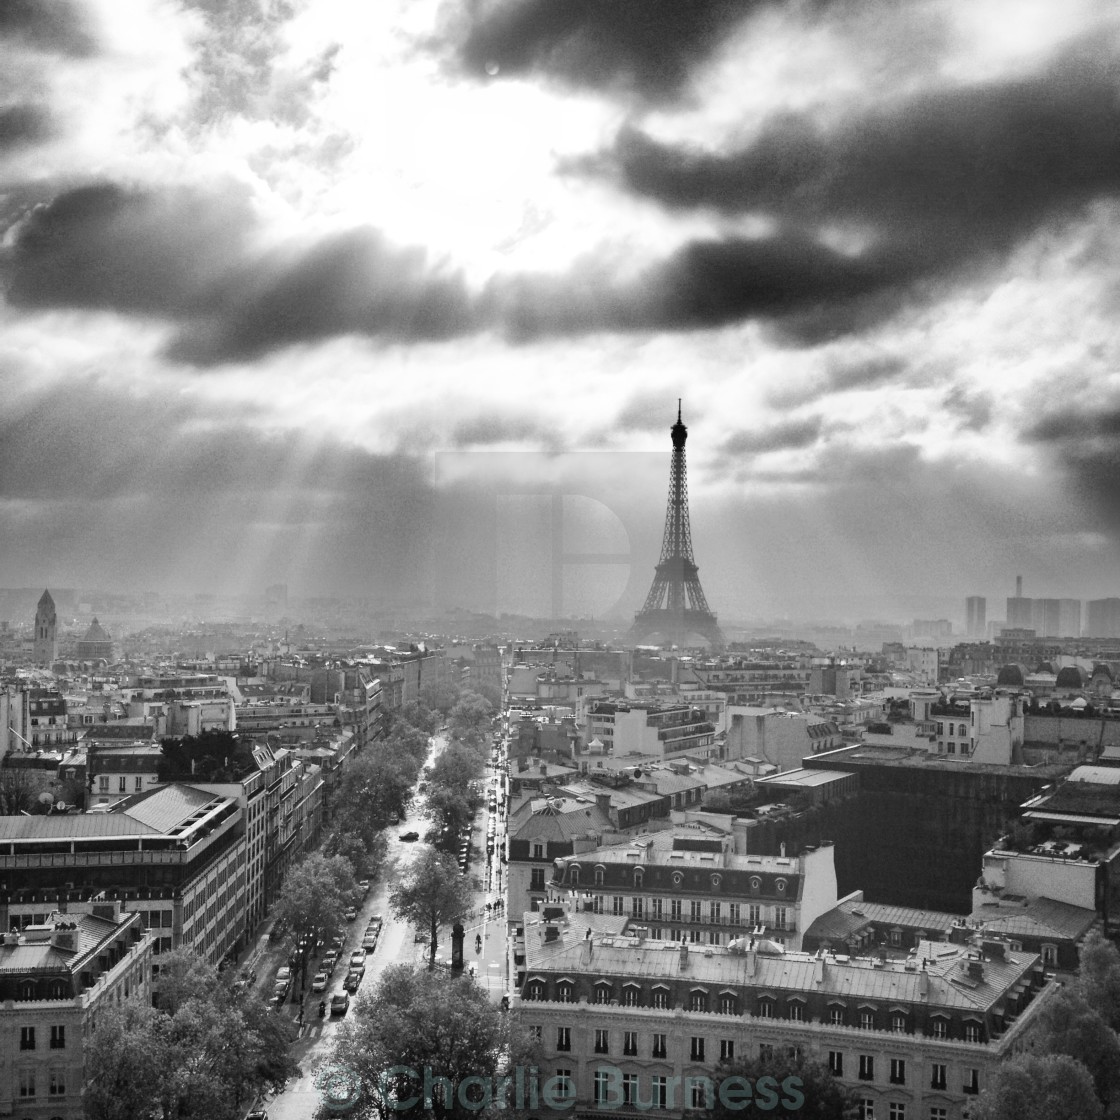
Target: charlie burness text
524	1089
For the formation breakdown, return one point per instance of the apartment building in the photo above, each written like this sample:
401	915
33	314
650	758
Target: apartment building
988	729
660	731
688	884
628	1023
54	978
777	737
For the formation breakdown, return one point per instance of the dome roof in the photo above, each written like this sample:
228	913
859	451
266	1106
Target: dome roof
96	633
1070	677
1010	674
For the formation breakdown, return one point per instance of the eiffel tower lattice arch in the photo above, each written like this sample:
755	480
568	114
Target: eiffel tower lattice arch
676	607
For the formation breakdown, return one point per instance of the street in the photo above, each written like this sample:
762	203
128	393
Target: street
396	944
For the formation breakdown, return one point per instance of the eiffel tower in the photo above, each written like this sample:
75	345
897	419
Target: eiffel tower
675	606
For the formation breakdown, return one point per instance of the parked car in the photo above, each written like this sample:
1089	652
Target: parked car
369	942
340	1004
358	957
284	974
330	957
375	922
410	837
353	979
257	1114
319	984
351	913
363	886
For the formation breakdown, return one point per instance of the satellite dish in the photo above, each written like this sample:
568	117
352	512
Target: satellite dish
45	799
61	806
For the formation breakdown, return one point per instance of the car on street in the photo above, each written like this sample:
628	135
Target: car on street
340	1004
283	974
375	922
369	942
319	984
276	1001
351	913
353	979
358	957
410	837
257	1114
330	956
363	886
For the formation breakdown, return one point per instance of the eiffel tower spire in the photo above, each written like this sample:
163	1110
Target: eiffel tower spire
675	607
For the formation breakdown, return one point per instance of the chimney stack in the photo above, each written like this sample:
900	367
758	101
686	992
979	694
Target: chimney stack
1018	587
684	955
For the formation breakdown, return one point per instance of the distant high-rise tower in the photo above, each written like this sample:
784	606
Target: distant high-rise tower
676	607
46	632
976	615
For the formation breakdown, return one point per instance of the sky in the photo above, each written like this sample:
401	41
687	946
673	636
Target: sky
397	300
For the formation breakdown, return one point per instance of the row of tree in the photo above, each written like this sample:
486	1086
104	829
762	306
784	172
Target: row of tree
206	1051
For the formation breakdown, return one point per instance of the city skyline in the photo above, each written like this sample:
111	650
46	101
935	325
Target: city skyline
354	301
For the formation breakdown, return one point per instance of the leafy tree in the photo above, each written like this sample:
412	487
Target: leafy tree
17	791
200	1055
433	895
1099	979
439	697
1068	1025
800	1084
420	1020
447	809
472	711
1030	1087
311	904
456	768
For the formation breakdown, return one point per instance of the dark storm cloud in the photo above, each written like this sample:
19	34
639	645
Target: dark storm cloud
141	251
974	409
52	26
942	177
23	124
792	435
649	46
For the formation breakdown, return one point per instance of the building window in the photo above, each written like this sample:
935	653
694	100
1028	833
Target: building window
637	878
138	785
713	937
898	1023
951	748
780	915
866	1109
597	906
636	907
565	1090
564	993
780	886
630	1044
629	1088
836	1063
660	999
867	1020
733	913
694	911
754	914
27	1038
896	1111
535	990
699	1097
940	1027
538	851
866	1067
604	993
836	1016
698	1001
598	876
631	996
103	783
937	1113
56	1083
937	1078
58	1037
122	785
756	883
717	916
766	1009
27	1082
659	1049
728	1005
898	1071
655	908
675	909
602	1042
726	1049
696	1049
972	1032
1050	954
660	1093
795	1011
536	879
617	903
563	1038
602	1078
972	1081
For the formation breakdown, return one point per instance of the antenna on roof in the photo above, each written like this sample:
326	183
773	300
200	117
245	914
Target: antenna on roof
678	410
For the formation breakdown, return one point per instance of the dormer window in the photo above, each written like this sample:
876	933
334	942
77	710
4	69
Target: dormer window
638	876
678	878
756	883
716	880
599	873
780	886
573	874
